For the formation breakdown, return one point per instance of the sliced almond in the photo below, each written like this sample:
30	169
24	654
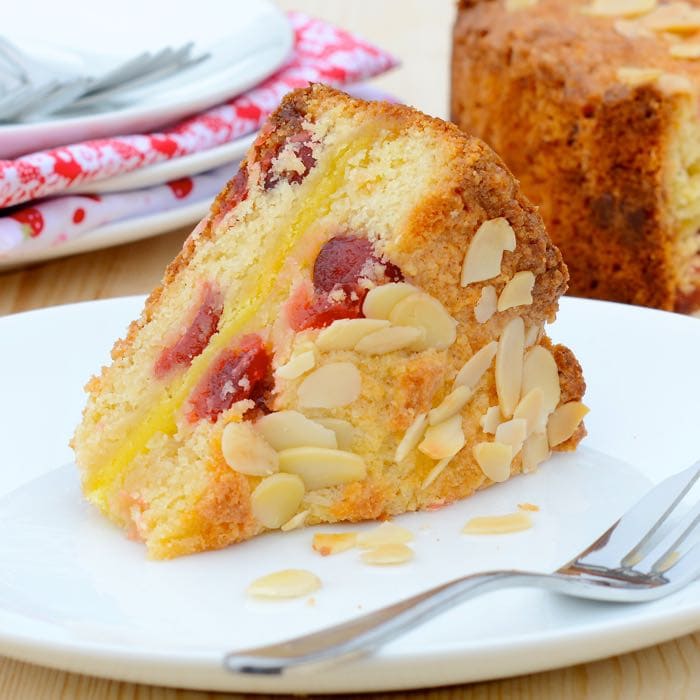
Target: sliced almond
320	467
498	524
509	365
411	437
344	431
540	371
675	18
386	533
514	5
246	451
327	543
390	339
380	301
453	403
285	429
388	554
297	366
495	459
290	583
485	254
346	333
531	408
564	421
330	386
443	440
491	420
475	367
423	311
276	499
486	306
535	451
513	433
635	77
671	84
688	51
517	292
632	29
299	520
435	472
532	335
620	8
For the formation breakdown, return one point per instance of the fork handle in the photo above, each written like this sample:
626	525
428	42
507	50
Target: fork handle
365	634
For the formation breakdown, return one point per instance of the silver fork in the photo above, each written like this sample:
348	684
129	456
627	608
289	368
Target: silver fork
631	562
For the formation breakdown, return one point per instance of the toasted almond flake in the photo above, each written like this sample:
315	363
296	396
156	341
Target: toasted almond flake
388	555
671	84
411	437
517	292
513	433
435	472
689	51
320	467
390	339
564	421
485	254
386	533
453	403
299	520
289	583
540	371
443	440
494	458
344	431
620	8
297	366
535	451
276	499
675	18
330	386
635	77
246	451
346	333
475	367
285	429
327	543
491	420
632	29
420	310
498	524
486	306
531	507
532	335
514	5
380	301
509	365
531	408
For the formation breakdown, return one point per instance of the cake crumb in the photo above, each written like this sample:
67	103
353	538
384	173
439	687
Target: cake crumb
311	602
529	506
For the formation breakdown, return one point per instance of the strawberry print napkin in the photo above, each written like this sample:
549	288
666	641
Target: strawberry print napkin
322	53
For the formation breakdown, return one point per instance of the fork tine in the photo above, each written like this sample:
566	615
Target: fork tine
661	502
663	555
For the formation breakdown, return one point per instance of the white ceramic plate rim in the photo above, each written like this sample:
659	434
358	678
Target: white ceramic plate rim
445	665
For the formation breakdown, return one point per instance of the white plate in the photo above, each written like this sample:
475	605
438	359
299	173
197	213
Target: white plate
117	233
247	40
170	169
77	595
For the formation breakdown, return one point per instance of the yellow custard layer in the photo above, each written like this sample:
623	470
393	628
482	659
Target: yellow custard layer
161	417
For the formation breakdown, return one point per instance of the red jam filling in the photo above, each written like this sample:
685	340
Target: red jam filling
302	150
341	263
238	373
196	337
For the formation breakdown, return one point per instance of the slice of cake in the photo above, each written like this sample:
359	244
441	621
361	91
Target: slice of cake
355	331
593	104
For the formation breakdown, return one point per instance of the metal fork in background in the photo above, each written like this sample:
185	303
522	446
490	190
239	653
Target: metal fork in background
624	565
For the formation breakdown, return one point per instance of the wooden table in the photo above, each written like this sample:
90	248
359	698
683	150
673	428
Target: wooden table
418	32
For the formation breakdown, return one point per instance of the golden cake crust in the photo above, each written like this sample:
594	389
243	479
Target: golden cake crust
542	85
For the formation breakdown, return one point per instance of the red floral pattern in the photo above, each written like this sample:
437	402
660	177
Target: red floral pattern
323	53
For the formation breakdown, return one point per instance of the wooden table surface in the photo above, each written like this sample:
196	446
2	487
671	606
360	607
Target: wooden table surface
418	32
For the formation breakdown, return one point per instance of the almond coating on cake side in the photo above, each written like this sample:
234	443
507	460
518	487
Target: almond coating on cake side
314	353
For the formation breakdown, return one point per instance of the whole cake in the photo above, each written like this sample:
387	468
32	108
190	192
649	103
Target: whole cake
354	331
593	104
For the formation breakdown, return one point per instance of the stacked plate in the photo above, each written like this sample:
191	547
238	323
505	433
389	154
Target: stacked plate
233	45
